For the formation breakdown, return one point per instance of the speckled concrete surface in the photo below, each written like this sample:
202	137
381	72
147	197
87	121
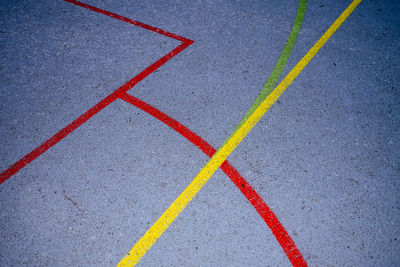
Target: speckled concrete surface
325	158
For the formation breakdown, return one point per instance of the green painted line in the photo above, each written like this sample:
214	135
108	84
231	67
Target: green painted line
279	66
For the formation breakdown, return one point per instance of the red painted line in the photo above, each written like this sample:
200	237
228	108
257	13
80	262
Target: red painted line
264	211
28	158
262	208
131	21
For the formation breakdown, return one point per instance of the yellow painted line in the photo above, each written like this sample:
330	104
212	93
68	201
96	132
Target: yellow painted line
162	224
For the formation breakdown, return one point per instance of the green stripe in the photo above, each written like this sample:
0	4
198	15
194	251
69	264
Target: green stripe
279	66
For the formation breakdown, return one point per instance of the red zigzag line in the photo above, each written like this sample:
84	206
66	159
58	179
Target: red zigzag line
262	208
28	158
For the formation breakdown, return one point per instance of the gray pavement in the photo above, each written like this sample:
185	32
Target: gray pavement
325	158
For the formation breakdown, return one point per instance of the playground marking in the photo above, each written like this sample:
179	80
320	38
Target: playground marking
162	224
261	207
255	200
279	66
34	154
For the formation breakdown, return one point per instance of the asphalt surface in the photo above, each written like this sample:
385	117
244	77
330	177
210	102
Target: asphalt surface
325	158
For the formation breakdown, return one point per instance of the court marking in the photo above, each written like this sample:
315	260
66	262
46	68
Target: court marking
263	210
277	229
279	66
172	212
34	154
281	235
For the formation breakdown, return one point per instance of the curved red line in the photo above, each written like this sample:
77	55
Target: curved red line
262	208
264	211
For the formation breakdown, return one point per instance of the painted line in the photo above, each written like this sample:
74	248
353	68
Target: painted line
162	224
28	158
255	200
131	21
269	217
264	211
279	66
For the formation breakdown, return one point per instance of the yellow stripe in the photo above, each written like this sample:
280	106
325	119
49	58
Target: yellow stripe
158	228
